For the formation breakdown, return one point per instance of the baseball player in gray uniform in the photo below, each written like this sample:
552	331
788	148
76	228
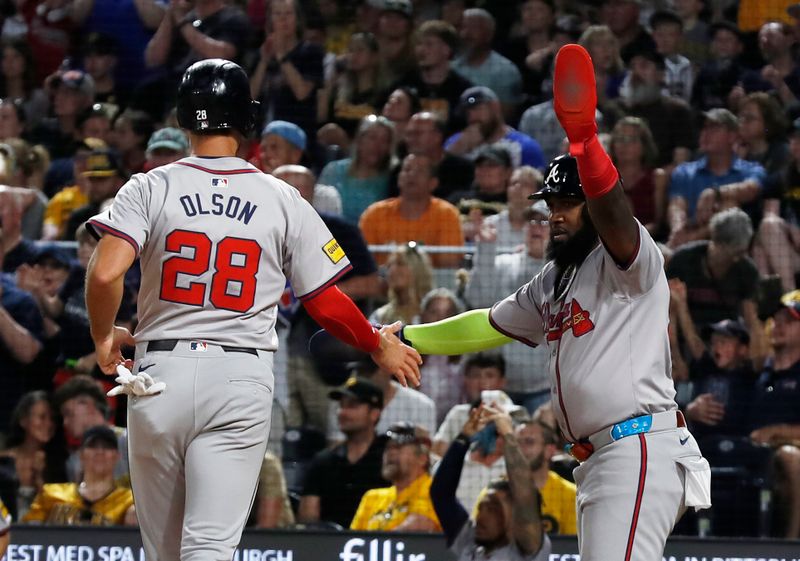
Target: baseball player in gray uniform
601	307
217	240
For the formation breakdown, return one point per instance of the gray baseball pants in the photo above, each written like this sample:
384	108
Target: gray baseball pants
196	448
632	492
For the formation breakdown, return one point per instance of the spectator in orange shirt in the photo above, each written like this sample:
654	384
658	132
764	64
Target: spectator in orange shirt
416	215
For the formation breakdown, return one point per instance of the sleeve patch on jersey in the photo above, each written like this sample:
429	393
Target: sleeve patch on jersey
334	251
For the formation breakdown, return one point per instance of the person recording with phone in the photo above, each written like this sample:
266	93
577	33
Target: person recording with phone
508	522
484	458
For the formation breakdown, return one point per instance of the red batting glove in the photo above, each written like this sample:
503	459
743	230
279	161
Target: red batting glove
575	103
575	96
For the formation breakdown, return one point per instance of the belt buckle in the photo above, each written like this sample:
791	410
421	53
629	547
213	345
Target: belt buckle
581	451
637	425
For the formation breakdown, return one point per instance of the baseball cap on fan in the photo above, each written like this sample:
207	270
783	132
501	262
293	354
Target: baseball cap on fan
361	390
730	328
538	208
102	163
100	434
791	301
403	7
290	132
493	154
168	138
76	80
475	96
406	432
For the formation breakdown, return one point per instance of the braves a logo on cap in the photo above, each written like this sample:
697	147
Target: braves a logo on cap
570	317
219	182
198	346
553	176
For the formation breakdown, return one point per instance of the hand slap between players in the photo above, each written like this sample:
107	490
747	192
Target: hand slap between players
108	350
396	357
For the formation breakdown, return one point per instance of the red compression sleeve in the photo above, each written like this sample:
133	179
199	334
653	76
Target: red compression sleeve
340	317
598	174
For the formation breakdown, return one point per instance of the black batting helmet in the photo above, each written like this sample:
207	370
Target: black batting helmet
561	180
214	95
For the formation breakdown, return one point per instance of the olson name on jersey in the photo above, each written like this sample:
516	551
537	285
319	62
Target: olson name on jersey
220	205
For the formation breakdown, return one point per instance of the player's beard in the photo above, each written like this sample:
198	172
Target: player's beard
575	249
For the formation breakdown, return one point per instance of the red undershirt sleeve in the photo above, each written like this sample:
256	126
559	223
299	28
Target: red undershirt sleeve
340	317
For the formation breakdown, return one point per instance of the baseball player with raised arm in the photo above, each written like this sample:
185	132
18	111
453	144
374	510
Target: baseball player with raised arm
601	306
217	240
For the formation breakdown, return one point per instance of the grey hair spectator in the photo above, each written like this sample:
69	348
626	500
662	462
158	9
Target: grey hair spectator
732	228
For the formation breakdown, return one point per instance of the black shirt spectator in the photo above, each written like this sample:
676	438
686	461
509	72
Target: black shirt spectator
24	252
19	307
229	25
438	86
278	97
75	339
732	388
441	99
777	397
724	70
340	484
713	299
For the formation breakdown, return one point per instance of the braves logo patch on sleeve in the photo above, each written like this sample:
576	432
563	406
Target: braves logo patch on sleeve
333	250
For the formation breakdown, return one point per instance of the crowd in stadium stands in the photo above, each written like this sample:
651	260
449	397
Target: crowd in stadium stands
411	125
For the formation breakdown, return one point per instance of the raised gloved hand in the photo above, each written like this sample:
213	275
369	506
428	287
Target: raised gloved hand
135	384
575	104
575	96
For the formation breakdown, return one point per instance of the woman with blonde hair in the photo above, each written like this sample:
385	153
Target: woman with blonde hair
409	277
634	152
358	88
609	70
363	178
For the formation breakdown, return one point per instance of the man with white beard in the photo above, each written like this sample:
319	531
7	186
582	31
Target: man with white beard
641	94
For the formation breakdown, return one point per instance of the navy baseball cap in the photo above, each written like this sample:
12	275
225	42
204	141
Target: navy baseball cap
730	328
361	390
53	254
495	154
475	96
290	132
100	434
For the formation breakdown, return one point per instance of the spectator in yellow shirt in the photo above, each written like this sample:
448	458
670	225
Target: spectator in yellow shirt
70	199
406	505
97	500
5	521
416	215
538	443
